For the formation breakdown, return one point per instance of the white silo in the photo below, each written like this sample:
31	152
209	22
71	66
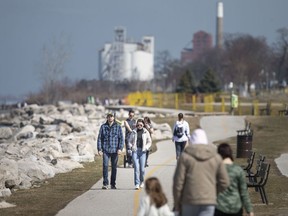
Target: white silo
122	60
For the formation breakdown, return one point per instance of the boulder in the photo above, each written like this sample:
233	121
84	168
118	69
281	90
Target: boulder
9	171
5	192
5	133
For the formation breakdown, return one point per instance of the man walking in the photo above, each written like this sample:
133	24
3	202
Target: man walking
109	144
130	124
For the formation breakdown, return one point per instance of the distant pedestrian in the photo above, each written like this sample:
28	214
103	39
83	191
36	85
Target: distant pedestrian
181	134
236	196
140	142
109	144
155	201
130	124
199	175
148	126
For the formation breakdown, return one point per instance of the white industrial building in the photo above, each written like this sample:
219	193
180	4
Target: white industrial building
123	60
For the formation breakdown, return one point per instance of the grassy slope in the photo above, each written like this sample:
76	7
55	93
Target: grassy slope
270	138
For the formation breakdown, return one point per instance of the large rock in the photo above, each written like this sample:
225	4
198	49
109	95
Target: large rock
5	133
26	132
8	171
36	169
5	192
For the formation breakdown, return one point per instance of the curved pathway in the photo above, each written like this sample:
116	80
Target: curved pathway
125	200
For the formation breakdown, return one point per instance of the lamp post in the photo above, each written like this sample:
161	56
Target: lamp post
231	95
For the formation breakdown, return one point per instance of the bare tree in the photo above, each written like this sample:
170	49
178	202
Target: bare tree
53	60
281	54
245	57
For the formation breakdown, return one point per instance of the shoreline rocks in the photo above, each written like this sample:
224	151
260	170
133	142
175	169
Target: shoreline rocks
38	142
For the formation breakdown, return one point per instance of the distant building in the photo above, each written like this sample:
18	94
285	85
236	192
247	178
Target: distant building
122	60
201	42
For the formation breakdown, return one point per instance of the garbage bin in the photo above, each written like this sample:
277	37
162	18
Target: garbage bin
244	143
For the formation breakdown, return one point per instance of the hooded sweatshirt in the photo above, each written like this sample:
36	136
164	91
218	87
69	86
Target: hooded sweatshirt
200	174
186	130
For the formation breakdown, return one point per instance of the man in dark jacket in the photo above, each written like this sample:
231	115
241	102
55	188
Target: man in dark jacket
109	144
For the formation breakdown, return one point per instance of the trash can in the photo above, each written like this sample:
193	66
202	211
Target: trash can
244	143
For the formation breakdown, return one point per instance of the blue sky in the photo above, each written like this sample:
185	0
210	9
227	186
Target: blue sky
27	25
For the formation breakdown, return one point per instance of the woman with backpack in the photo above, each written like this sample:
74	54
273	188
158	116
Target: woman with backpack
181	134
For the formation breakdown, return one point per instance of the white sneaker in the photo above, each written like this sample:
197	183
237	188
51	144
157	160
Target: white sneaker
142	185
137	187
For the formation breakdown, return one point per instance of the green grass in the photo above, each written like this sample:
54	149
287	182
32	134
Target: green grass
270	138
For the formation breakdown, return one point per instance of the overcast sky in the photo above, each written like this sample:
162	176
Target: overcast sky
27	25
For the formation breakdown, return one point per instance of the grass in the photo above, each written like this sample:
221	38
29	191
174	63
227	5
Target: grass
270	138
55	193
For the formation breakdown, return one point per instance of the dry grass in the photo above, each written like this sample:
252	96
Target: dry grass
270	138
55	193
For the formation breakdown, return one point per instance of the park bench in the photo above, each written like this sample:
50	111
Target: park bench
261	181
252	176
266	110
250	162
283	112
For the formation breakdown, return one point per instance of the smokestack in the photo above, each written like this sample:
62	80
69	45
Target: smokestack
219	25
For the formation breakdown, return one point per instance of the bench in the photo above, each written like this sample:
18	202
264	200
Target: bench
252	177
261	181
250	162
266	110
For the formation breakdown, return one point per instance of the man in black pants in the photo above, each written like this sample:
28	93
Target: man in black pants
130	124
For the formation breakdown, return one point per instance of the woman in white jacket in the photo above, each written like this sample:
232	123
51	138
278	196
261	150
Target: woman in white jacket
155	201
140	142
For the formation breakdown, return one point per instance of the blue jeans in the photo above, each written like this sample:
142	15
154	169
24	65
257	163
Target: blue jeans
199	210
139	159
114	161
179	148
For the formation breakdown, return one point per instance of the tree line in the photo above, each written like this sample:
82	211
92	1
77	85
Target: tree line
244	59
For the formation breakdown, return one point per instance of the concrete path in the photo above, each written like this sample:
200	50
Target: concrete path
125	200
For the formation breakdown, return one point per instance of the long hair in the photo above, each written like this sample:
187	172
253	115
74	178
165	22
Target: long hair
154	190
225	151
147	119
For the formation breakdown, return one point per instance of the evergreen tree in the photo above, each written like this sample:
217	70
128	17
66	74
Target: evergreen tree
209	83
186	83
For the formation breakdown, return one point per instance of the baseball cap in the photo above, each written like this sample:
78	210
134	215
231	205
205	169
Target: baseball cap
110	114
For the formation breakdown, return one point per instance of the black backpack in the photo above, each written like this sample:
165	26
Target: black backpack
178	131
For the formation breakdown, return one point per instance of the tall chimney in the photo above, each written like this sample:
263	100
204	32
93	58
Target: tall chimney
219	25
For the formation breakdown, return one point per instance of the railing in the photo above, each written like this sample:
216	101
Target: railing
199	103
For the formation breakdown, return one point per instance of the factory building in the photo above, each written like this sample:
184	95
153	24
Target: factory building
123	60
201	42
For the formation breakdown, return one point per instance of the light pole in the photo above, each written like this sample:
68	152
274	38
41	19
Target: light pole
231	96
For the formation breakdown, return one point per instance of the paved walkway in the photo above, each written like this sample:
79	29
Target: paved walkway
125	200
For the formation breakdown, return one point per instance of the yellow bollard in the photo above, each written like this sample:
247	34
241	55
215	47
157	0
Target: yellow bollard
222	104
176	101
194	102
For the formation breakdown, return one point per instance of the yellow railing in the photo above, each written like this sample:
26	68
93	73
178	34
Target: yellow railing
197	103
